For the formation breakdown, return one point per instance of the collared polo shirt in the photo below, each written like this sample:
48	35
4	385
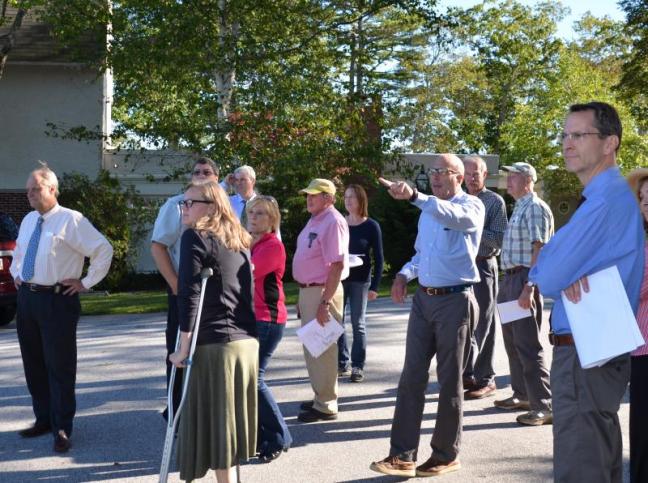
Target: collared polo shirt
323	241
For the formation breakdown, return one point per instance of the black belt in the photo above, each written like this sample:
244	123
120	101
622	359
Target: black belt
57	288
481	259
314	284
445	290
560	339
511	271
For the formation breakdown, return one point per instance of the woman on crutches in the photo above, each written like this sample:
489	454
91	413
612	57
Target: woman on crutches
218	423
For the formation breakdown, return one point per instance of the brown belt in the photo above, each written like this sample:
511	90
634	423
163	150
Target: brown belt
445	290
560	339
306	285
511	271
34	287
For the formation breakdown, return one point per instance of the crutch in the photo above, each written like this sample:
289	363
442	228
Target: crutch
172	421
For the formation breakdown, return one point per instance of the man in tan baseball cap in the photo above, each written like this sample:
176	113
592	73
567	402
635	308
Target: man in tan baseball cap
320	263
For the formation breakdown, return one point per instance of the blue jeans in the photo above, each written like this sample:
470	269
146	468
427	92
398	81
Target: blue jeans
355	295
273	433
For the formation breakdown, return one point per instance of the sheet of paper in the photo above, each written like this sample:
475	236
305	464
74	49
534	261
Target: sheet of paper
511	311
603	323
355	260
317	338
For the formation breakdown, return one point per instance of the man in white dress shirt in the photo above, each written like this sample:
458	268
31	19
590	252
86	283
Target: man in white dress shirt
52	245
244	179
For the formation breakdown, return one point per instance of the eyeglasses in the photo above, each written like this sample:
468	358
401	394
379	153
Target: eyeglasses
189	203
204	172
441	171
577	136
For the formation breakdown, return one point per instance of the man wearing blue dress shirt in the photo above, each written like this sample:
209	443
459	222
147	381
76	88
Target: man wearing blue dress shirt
443	316
606	230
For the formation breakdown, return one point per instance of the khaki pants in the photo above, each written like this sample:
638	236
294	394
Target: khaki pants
322	371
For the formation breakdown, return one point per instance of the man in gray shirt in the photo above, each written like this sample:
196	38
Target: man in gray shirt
165	248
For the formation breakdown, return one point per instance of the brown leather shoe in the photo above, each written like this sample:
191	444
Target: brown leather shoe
306	405
512	403
469	383
393	465
35	430
62	443
312	415
434	467
481	392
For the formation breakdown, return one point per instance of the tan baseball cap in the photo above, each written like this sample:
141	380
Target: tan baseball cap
635	178
319	185
524	168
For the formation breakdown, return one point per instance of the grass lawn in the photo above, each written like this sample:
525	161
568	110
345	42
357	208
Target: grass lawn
156	301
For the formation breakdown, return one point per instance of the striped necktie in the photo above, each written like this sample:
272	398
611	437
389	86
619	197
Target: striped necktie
244	215
30	255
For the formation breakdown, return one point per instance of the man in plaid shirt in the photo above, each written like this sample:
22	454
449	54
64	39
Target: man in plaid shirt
530	227
479	375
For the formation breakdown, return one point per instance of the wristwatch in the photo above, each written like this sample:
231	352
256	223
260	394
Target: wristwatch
530	284
325	302
412	198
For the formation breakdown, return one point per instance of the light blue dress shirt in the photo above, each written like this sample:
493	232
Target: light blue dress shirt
448	238
606	230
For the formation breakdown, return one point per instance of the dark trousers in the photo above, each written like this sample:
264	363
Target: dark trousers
529	374
482	347
46	324
171	337
355	297
639	419
273	433
587	443
438	325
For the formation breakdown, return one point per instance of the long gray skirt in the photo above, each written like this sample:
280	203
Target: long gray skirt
218	424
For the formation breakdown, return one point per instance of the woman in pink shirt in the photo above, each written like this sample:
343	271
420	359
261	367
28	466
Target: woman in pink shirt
269	260
639	376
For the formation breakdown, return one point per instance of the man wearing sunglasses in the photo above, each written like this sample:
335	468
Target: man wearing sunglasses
441	322
165	248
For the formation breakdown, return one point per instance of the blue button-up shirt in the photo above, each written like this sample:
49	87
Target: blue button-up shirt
606	230
448	238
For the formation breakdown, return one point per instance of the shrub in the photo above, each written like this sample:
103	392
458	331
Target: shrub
118	212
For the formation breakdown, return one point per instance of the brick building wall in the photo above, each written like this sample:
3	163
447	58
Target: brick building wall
15	204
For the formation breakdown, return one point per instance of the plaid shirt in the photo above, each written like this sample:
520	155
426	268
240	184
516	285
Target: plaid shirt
530	222
494	225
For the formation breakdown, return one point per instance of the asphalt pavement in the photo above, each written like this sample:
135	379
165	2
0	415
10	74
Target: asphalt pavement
119	433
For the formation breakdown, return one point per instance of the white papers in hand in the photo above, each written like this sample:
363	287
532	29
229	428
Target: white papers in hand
603	323
511	311
317	338
355	260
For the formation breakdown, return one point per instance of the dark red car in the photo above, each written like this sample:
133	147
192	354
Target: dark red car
7	287
8	235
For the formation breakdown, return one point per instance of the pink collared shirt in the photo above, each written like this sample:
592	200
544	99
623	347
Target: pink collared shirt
642	313
323	241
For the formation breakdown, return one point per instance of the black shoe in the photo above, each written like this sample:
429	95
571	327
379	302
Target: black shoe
357	375
35	430
313	415
344	371
62	443
306	405
269	456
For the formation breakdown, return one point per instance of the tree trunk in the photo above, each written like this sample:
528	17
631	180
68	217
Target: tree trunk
225	74
8	40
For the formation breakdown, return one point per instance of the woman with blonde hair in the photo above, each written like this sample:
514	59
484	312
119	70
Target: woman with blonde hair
638	180
269	261
219	419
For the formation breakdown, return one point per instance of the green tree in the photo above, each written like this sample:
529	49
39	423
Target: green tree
634	81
